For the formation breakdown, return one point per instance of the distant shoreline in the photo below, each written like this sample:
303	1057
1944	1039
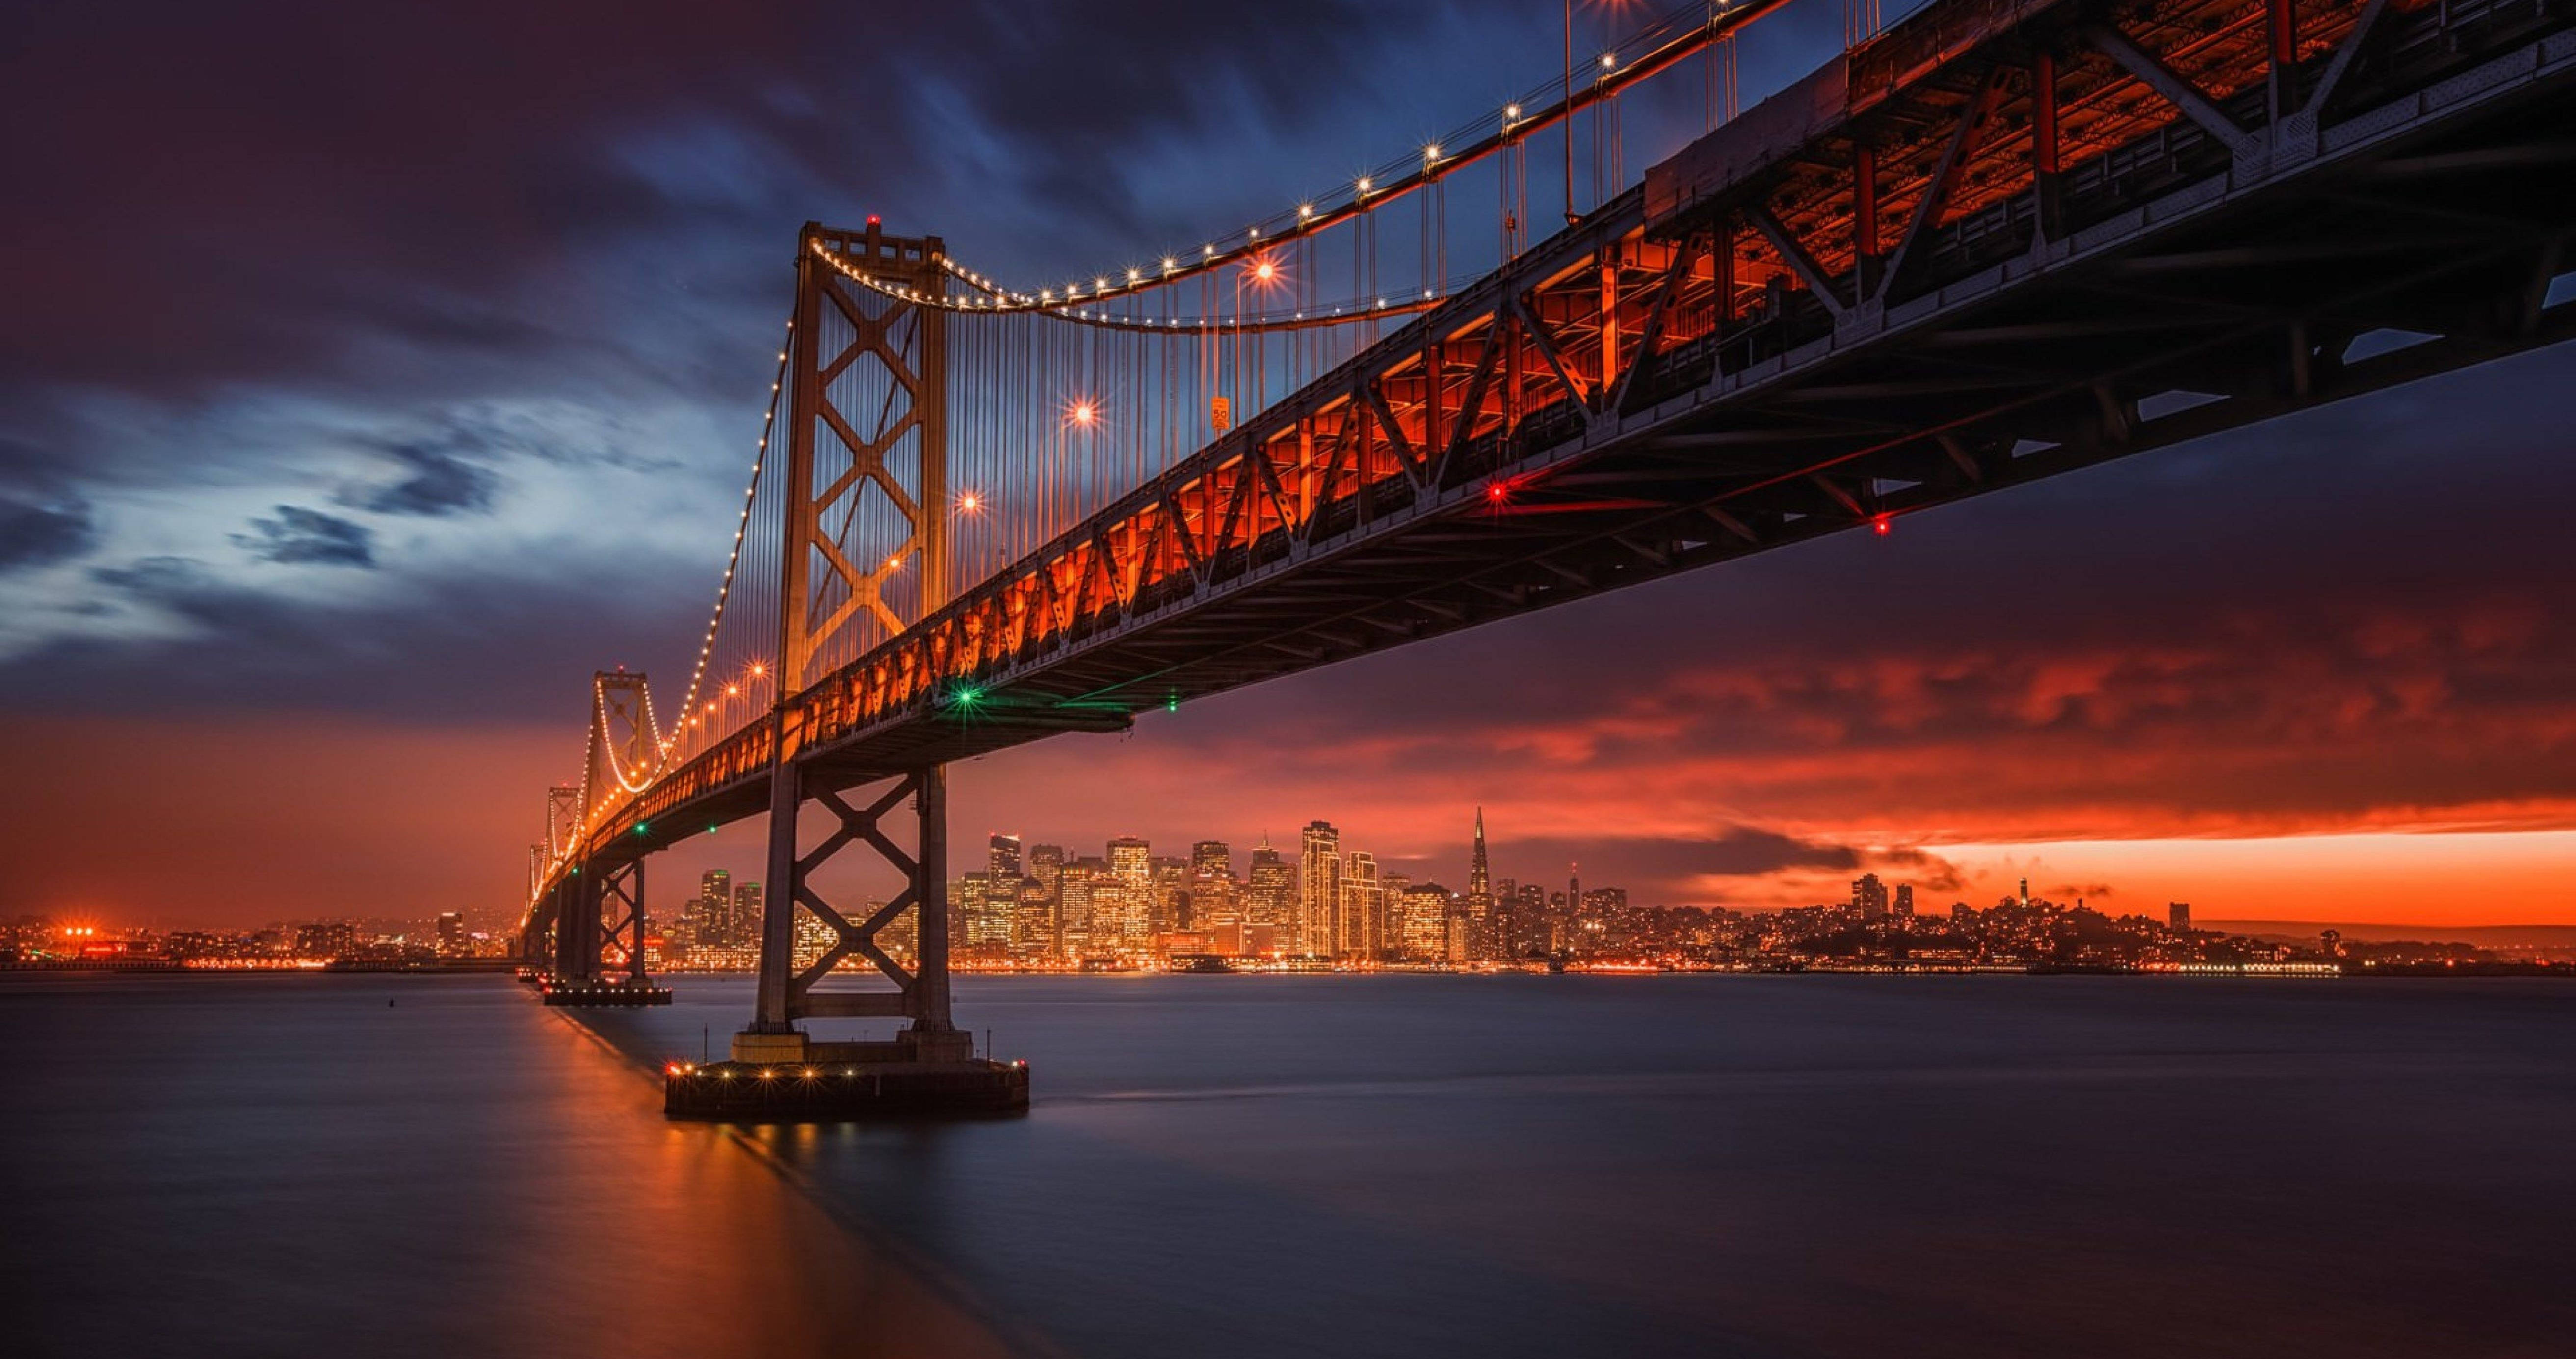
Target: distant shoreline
2482	936
2255	972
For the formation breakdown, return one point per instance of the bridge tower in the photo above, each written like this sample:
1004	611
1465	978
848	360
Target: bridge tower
865	556
598	906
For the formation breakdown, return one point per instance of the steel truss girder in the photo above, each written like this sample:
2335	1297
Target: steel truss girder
1076	605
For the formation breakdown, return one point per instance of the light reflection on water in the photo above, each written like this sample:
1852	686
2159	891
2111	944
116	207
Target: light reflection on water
288	1165
1275	1166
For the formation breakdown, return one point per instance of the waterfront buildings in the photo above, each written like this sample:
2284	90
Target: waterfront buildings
1334	905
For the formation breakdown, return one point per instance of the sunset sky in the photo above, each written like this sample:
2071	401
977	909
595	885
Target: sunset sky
361	395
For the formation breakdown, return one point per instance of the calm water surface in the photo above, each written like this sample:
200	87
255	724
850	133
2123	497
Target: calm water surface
1270	1166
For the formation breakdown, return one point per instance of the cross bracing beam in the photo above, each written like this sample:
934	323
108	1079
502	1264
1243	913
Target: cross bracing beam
1751	413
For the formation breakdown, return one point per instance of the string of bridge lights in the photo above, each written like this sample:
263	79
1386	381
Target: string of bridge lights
599	732
664	745
733	561
1663	41
996	300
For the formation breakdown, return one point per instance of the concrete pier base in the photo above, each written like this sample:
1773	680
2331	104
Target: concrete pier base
556	991
830	1092
790	1078
754	1048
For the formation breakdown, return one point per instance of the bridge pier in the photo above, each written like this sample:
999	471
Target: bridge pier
582	930
930	1066
787	993
577	931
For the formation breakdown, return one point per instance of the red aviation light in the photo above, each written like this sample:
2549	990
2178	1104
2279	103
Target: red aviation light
1881	525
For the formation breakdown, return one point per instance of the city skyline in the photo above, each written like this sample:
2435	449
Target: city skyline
1037	906
1822	878
1312	886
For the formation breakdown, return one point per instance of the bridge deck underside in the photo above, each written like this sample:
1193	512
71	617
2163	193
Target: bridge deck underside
2208	295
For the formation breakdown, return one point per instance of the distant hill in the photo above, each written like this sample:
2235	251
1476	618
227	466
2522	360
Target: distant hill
2483	936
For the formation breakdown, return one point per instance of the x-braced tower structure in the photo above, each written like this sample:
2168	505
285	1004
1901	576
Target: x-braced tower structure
543	927
865	556
589	931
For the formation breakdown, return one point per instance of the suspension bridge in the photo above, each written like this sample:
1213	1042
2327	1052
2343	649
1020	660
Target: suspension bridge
1993	241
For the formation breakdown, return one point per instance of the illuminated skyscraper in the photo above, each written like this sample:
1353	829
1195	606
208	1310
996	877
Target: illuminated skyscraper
1169	898
1077	883
714	908
1132	860
1479	904
1319	890
1869	897
1270	892
1530	918
1044	863
813	940
1356	930
746	916
1033	925
1213	892
1002	858
1904	908
981	908
1423	917
2178	915
1480	878
1122	902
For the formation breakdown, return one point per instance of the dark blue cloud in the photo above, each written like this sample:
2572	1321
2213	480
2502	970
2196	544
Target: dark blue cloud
464	652
302	537
33	532
440	483
161	580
